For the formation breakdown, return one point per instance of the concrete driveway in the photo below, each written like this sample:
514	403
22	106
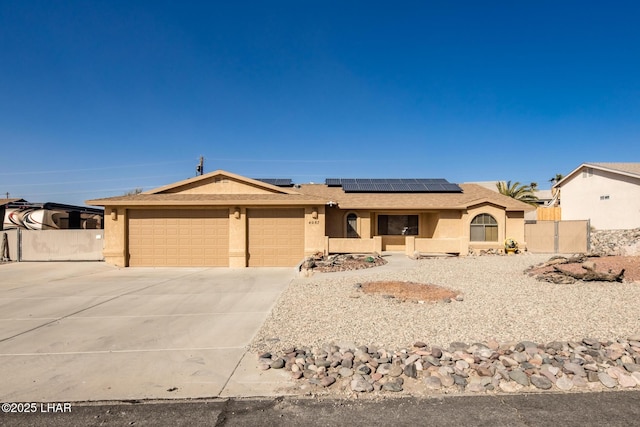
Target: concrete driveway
90	331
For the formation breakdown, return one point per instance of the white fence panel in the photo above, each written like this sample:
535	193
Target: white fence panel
61	245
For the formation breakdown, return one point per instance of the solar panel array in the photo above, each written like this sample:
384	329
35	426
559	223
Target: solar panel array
394	185
279	182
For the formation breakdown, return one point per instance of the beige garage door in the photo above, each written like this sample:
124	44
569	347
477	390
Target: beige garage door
276	237
179	238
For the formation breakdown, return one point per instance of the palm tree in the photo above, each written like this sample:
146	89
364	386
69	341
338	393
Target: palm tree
524	193
556	179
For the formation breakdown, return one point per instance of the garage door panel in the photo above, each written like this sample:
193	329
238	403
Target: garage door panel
275	237
179	237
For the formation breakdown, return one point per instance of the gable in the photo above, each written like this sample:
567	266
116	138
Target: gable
220	182
627	172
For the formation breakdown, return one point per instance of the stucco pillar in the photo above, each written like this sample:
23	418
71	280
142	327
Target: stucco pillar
314	230
409	245
237	237
115	236
377	244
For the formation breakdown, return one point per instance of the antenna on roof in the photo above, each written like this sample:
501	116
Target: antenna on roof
200	167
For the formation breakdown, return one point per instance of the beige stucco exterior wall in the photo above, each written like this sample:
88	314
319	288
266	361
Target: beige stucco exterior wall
499	215
336	222
440	232
515	228
585	197
333	222
449	225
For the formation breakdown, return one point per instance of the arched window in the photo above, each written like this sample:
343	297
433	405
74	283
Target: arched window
352	226
484	228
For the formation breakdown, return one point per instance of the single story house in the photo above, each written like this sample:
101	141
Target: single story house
224	219
607	194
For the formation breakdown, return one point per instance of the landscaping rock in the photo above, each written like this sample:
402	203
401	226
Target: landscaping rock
478	368
541	382
359	384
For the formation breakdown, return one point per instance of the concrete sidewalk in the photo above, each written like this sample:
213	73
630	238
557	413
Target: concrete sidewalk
89	331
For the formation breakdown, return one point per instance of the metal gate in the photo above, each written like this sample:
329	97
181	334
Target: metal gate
558	236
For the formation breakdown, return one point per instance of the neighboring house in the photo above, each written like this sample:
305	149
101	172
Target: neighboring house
607	194
224	219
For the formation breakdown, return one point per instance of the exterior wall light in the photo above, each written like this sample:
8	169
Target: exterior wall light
314	213
236	213
114	214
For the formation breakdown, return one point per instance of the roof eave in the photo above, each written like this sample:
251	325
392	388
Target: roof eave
219	172
183	203
594	166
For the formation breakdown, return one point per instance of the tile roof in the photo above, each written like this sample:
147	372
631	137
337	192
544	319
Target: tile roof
314	194
472	195
631	168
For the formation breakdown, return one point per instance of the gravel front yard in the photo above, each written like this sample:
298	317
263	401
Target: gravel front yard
499	302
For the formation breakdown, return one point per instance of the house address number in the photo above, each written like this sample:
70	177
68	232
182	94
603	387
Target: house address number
315	221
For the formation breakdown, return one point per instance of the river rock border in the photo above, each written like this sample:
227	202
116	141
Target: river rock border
590	364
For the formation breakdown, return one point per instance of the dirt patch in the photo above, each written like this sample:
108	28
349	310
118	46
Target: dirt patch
409	291
630	264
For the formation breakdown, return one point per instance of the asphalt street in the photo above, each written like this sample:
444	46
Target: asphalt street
531	410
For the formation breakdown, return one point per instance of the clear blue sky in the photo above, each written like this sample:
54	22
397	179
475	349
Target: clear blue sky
101	97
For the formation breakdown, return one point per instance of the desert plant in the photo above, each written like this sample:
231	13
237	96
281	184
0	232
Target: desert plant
133	192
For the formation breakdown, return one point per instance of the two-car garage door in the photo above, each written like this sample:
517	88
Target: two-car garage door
179	238
200	237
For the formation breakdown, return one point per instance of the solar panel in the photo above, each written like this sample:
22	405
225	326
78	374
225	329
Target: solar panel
279	182
394	185
432	181
417	187
384	187
358	188
435	187
366	186
452	188
399	187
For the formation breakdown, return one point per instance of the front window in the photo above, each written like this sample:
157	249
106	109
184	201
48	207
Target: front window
484	228
398	225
